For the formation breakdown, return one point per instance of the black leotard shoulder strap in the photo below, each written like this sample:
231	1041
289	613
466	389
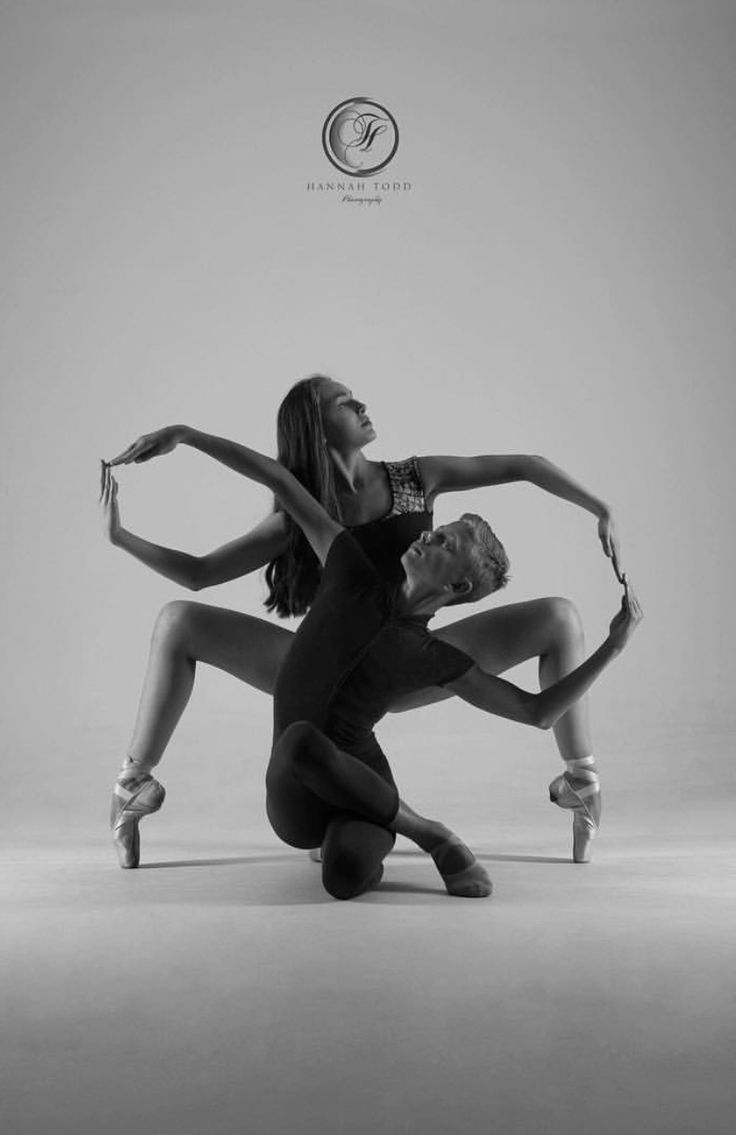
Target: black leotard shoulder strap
407	490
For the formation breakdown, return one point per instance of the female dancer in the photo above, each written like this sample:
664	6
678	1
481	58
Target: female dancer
322	431
363	641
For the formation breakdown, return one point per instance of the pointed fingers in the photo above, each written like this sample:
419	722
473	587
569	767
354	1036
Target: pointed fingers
131	453
633	599
125	457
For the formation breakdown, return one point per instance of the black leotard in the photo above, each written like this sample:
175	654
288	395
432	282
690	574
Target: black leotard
385	540
351	656
347	663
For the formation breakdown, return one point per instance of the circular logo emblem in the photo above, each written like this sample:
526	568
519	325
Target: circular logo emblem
360	137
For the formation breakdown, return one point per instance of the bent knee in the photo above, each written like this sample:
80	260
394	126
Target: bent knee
344	876
298	734
299	742
563	618
175	620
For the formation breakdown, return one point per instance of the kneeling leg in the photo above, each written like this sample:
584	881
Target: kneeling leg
309	780
353	851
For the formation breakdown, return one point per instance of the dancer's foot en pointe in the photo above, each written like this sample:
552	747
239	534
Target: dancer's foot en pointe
136	794
579	790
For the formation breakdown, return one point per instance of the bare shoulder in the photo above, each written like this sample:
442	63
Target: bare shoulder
430	469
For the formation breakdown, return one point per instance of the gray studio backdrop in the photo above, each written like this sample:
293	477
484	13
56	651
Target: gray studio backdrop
554	275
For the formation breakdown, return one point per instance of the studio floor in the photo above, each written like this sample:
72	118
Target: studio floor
219	990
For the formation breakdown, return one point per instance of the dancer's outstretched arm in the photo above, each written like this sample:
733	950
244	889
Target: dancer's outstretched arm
237	558
497	696
317	525
456	474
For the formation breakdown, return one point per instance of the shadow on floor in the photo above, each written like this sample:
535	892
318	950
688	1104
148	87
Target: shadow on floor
224	861
233	860
494	858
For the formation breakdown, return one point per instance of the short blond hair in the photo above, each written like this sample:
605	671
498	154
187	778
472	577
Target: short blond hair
489	564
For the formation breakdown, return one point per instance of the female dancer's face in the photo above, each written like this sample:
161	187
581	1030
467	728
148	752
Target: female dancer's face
345	420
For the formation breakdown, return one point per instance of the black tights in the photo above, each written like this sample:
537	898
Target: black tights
317	795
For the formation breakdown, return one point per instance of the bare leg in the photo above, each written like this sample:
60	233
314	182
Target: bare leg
547	629
186	633
550	630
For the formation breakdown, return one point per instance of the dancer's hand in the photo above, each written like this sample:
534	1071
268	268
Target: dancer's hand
628	618
610	543
151	445
109	502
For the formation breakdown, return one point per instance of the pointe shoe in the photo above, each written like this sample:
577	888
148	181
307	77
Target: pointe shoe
472	882
134	797
584	831
584	826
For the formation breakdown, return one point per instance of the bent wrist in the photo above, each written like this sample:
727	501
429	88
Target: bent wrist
119	538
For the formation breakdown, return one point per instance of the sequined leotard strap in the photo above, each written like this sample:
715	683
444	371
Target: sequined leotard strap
407	489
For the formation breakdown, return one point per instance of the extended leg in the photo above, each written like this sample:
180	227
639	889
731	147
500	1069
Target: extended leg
185	633
550	630
547	629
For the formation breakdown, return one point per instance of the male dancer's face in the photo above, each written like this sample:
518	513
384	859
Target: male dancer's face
440	558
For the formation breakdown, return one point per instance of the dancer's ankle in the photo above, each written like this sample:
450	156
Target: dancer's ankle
581	774
431	835
133	770
425	833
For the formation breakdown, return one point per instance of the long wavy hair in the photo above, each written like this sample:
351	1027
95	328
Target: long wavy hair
293	577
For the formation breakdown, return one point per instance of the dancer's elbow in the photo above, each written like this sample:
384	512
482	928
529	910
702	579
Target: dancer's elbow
198	576
531	712
539	715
